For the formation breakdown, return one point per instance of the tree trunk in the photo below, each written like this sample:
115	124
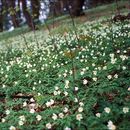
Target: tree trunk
27	15
56	8
12	11
35	9
1	17
76	9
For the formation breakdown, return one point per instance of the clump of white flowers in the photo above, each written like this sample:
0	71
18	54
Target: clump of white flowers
50	103
38	117
67	84
125	110
22	120
79	117
7	112
54	117
111	126
12	128
85	81
48	125
98	115
107	110
67	128
80	109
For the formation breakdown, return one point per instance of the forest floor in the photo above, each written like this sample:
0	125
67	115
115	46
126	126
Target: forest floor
71	78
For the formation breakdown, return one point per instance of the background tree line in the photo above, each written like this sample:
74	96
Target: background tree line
16	8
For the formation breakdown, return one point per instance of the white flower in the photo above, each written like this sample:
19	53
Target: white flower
12	128
32	106
107	110
111	126
35	83
52	101
79	117
99	68
93	64
54	117
81	104
98	115
123	57
76	88
87	68
109	77
105	67
66	93
82	73
61	115
55	93
24	104
75	100
125	51
65	110
15	82
48	125
67	84
129	89
21	122
67	128
95	72
125	109
40	81
34	88
39	94
32	100
48	104
80	109
7	112
94	79
3	86
39	117
59	75
56	88
64	74
3	120
116	76
111	55
113	61
32	111
22	118
124	68
118	51
85	81
59	92
71	72
26	75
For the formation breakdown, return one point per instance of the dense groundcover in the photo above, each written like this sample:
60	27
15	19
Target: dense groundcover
77	81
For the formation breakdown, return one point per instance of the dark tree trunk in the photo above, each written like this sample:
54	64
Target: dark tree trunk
76	9
27	15
1	16
12	11
35	9
56	8
19	11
